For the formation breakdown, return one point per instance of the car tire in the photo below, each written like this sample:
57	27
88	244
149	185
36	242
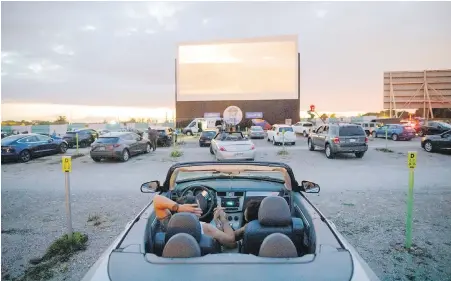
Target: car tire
359	154
428	146
394	137
421	133
274	141
374	135
24	156
311	147
96	159
189	133
125	155
328	152
268	140
63	148
148	148
293	143
211	150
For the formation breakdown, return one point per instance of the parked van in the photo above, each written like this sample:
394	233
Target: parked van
204	123
369	127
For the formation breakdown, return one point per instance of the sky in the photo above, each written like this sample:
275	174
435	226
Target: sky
98	57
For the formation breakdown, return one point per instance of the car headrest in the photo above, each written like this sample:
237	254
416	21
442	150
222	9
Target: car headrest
278	245
184	223
274	211
181	245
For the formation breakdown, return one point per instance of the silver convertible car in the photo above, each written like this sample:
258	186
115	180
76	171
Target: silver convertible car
290	239
232	146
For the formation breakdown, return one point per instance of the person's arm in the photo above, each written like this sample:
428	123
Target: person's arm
225	237
239	233
162	204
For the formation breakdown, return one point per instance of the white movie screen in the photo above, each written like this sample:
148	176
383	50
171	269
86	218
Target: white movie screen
260	69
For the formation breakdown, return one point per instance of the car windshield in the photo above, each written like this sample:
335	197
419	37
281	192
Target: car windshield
286	129
230	136
107	140
192	175
256	128
161	132
351	131
208	134
307	125
11	139
444	125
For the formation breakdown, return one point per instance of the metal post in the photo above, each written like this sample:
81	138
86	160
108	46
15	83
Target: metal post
68	206
409	210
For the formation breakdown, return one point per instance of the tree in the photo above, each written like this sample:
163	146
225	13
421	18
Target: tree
61	120
324	116
333	115
132	120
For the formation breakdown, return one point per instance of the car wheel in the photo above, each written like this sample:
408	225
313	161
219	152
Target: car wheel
374	135
304	134
268	140
211	150
428	146
189	133
24	156
311	147
148	148
293	143
394	137
359	154
96	159
125	155
421	133
63	148
274	141
328	152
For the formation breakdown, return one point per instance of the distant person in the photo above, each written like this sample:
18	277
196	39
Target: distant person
153	137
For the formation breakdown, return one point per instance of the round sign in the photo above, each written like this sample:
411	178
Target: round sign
312	108
233	115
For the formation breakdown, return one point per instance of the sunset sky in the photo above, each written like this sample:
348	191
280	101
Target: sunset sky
97	60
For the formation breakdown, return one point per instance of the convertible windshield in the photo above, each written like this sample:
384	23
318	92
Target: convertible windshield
230	136
264	175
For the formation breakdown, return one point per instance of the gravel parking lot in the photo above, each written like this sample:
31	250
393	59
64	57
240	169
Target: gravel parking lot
365	198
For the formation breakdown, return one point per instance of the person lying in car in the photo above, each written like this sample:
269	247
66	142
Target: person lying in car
221	231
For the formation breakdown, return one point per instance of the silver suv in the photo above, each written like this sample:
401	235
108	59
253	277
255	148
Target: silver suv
339	138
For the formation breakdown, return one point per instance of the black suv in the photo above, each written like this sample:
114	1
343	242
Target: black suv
165	136
85	137
434	128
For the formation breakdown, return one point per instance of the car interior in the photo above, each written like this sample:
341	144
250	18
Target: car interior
279	232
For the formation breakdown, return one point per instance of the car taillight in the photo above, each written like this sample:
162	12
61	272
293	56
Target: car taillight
336	140
252	147
222	148
113	146
366	140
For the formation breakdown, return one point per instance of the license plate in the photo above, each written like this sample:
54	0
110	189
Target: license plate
101	148
207	141
352	140
239	154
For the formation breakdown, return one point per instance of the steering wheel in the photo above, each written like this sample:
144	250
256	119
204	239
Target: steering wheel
206	200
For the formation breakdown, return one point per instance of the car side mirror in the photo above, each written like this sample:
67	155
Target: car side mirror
310	187
150	187
50	140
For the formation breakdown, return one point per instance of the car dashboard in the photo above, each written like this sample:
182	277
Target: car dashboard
233	195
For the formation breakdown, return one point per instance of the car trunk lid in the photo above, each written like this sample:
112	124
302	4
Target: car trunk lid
237	146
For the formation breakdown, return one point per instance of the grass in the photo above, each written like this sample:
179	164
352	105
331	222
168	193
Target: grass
176	153
75	156
57	254
95	219
282	152
386	150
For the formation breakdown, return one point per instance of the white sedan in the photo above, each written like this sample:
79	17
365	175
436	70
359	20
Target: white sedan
232	146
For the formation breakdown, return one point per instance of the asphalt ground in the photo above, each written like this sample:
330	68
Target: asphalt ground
365	198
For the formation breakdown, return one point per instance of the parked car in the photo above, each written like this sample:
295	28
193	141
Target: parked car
369	127
437	143
395	132
280	134
85	137
133	130
290	240
206	137
434	128
232	146
119	145
256	132
303	128
24	147
339	138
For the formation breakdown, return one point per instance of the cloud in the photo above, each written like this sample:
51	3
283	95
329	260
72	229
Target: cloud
321	13
63	50
43	66
164	13
89	28
126	32
205	21
150	31
9	57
